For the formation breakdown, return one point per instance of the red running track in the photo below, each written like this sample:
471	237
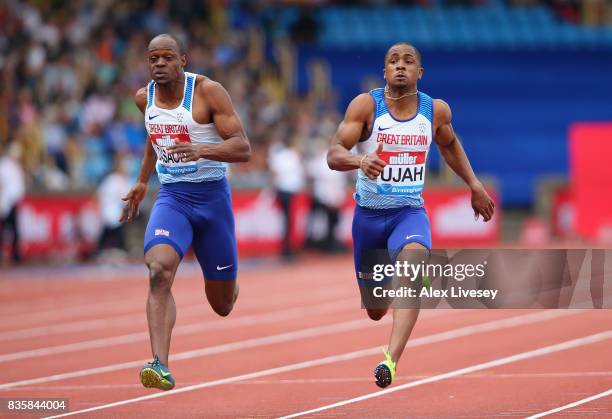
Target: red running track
296	344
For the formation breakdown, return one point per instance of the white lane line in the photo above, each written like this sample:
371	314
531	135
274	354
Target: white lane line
421	341
301	276
509	322
128	305
125	319
71	327
212	350
574	343
574	404
186	310
71	312
360	379
270	317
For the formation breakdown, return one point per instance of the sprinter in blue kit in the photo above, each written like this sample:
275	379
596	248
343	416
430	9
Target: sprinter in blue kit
393	129
193	131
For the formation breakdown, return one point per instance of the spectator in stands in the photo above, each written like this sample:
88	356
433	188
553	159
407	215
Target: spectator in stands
12	191
114	186
327	197
288	178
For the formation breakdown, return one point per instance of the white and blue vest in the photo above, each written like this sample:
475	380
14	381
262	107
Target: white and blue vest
405	148
167	127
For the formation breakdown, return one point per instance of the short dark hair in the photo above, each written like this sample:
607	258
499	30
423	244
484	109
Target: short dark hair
408	44
182	50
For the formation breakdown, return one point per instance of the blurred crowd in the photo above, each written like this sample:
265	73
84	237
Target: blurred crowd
69	71
69	74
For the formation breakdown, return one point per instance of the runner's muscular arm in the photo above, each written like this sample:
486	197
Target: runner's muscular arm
454	155
449	144
235	147
139	190
350	131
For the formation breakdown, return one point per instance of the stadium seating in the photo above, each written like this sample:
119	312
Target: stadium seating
474	27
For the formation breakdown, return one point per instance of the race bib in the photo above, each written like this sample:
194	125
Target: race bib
404	173
169	163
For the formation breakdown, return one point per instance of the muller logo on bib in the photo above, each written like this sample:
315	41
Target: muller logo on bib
404	173
402	157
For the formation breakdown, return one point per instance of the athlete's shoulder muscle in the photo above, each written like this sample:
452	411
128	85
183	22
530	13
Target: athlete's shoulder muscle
140	99
215	94
444	133
360	109
442	112
356	119
204	85
224	116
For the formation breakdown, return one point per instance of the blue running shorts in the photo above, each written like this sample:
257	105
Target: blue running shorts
198	214
388	230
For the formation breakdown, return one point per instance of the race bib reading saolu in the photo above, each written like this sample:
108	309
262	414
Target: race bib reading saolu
171	163
404	173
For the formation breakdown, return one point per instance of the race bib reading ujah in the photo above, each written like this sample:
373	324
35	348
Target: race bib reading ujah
171	163
404	173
